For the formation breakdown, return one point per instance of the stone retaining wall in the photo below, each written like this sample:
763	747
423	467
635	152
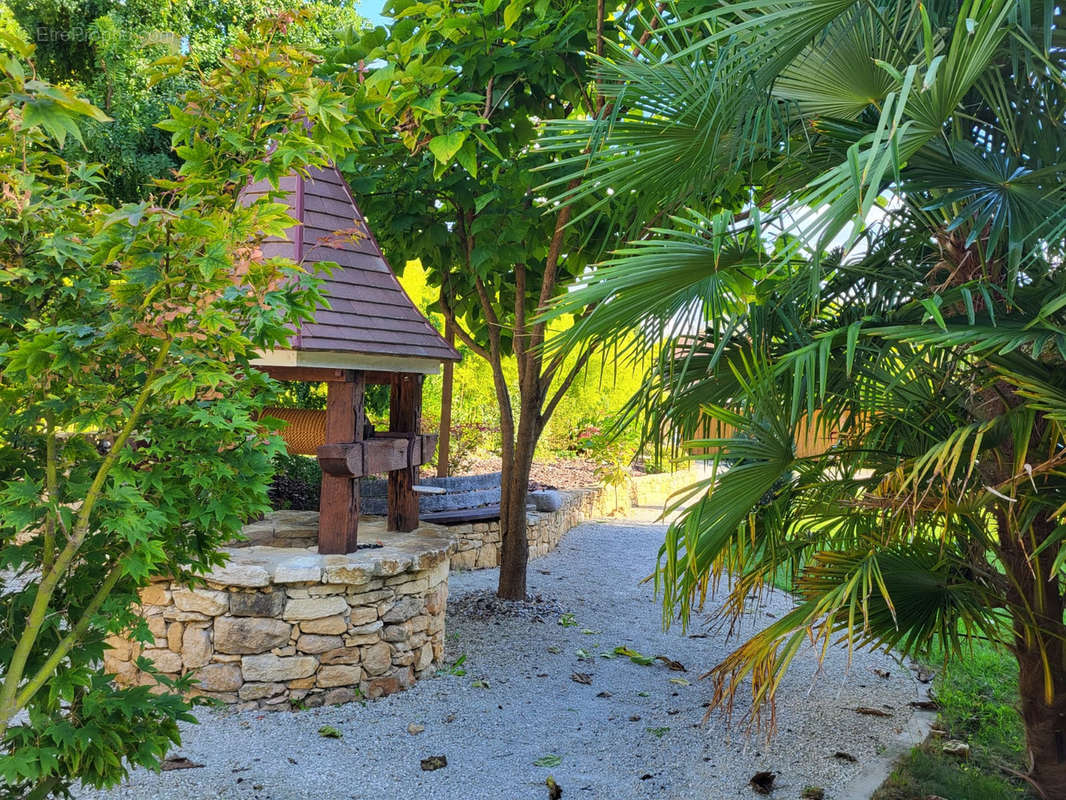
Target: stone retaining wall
477	544
278	627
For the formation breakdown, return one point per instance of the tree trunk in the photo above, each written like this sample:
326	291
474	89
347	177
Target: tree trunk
1037	605
514	552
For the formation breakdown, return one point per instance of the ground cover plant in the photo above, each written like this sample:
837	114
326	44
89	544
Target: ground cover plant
129	440
860	227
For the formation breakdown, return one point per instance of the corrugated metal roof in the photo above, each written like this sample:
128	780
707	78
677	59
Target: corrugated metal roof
369	313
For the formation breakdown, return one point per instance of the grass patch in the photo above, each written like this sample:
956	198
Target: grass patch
978	695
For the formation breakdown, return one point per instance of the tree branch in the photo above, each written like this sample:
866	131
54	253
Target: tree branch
575	370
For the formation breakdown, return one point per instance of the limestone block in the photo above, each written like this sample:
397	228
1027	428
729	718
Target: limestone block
257	691
125	672
225	658
487	557
403	659
377	658
287	650
406	608
256	604
345	573
341	655
249	635
357	599
339	695
425	657
269	667
302	569
175	630
195	647
325	625
434	601
185	616
314	608
324	590
220	677
339	675
407	584
364	615
157	624
395	633
363	639
302	683
246	575
120	649
164	660
362	630
379	687
155	594
202	601
312	643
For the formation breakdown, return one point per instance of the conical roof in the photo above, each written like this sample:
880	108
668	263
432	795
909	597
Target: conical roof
370	322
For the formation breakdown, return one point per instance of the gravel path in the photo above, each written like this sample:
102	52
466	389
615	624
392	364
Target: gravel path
631	732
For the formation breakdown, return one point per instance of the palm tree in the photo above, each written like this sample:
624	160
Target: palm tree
855	221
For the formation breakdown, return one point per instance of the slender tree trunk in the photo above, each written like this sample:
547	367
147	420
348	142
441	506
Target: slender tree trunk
444	446
514	554
1036	597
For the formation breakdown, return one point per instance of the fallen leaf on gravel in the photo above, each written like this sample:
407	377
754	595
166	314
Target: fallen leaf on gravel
329	732
290	759
581	677
634	656
872	712
697	636
845	756
554	649
555	791
882	673
550	760
434	762
762	782
676	666
924	705
414	728
480	683
604	694
635	718
179	762
679	681
658	732
813	793
450	718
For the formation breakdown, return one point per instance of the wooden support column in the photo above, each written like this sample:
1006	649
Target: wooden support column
338	519
405	414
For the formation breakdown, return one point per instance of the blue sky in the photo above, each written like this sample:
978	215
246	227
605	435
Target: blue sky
371	10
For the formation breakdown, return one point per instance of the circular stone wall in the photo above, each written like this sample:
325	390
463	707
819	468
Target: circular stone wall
280	626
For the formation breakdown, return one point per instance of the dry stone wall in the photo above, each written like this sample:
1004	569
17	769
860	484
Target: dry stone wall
279	627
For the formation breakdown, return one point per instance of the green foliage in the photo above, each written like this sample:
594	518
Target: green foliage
924	772
129	445
105	51
297	483
857	238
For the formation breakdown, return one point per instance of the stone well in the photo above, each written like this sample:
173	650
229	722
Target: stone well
284	626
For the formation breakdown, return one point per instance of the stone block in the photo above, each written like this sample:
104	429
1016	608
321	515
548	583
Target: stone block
220	678
195	647
434	601
246	575
287	650
364	639
404	609
379	687
326	625
259	691
362	616
119	649
312	643
339	675
362	630
302	569
155	594
425	657
395	633
346	573
339	695
256	604
157	624
201	601
249	635
302	683
164	660
184	616
377	658
357	599
341	655
314	608
269	667
175	630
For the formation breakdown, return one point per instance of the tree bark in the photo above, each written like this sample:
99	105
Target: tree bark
1037	598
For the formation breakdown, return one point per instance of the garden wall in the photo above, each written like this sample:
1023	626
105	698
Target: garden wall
282	626
477	545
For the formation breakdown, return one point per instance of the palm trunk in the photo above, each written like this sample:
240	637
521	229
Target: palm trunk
1041	656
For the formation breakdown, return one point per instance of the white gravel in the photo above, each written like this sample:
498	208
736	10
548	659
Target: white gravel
517	704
